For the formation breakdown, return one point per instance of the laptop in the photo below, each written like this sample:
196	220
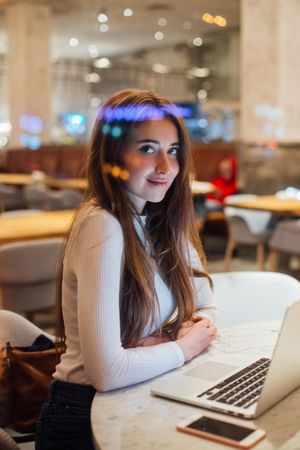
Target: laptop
246	391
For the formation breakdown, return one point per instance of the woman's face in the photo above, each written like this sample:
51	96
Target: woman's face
226	169
151	159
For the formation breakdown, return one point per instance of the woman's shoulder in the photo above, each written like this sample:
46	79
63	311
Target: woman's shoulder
93	227
96	221
92	213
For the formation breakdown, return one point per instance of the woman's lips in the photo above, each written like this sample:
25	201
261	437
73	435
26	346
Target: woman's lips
160	183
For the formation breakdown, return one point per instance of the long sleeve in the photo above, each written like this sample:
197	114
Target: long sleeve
205	306
93	267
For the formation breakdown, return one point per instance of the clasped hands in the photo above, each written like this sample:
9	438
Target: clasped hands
198	328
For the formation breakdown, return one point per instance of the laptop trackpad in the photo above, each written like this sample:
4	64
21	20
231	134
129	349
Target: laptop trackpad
210	370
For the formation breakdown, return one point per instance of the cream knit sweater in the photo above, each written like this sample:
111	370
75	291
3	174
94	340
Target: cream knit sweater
91	293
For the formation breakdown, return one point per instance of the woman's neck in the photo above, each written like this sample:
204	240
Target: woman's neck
138	202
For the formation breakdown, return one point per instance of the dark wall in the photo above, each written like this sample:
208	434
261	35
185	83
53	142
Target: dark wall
67	161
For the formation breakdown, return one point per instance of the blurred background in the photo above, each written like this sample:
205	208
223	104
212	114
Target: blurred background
233	67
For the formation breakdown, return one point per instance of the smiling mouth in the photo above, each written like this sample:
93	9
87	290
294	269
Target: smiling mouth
158	183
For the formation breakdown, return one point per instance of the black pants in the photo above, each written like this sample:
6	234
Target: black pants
64	422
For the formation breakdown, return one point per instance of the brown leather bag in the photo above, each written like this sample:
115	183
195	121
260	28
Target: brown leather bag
27	372
6	400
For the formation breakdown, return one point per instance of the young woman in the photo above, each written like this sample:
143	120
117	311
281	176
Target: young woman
136	300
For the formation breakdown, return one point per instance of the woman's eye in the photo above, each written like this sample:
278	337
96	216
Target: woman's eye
147	149
174	151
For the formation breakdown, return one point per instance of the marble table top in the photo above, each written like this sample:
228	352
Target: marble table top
131	418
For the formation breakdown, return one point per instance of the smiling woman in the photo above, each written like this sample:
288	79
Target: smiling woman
135	300
151	159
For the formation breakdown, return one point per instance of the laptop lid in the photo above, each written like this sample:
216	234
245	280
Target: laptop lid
283	376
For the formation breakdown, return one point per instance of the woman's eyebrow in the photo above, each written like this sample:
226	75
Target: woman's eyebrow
153	141
143	141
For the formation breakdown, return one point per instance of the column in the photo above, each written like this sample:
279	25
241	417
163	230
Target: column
270	94
29	70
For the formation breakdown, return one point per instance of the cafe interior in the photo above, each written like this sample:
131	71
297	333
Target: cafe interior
231	67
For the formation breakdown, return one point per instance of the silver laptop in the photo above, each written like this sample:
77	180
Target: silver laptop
247	391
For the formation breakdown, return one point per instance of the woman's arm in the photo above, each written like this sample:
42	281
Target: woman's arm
96	261
204	301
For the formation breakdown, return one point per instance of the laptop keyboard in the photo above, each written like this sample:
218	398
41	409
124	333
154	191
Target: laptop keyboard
241	389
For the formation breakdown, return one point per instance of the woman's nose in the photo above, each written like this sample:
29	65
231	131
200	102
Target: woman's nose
162	164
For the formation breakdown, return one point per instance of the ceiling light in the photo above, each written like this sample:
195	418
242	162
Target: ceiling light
103	28
73	42
197	41
127	12
102	17
160	68
159	35
202	94
3	141
95	102
208	18
218	20
162	22
93	51
199	72
221	21
92	77
102	63
5	127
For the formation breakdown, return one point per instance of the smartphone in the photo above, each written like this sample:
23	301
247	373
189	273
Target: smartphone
222	431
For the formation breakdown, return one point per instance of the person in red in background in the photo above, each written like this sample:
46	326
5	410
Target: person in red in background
225	183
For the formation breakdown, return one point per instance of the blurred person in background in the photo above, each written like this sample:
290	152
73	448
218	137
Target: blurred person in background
225	184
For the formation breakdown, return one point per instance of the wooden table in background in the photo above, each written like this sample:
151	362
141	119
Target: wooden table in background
198	187
17	179
269	203
202	187
22	179
35	226
66	183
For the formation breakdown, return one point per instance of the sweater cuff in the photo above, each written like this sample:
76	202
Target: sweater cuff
179	353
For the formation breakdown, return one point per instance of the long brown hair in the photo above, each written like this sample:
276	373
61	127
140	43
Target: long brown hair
169	223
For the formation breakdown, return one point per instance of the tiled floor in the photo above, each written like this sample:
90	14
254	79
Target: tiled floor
245	258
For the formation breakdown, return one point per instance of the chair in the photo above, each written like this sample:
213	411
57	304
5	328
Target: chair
21	212
10	198
19	332
71	198
253	296
284	239
28	273
247	227
39	196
